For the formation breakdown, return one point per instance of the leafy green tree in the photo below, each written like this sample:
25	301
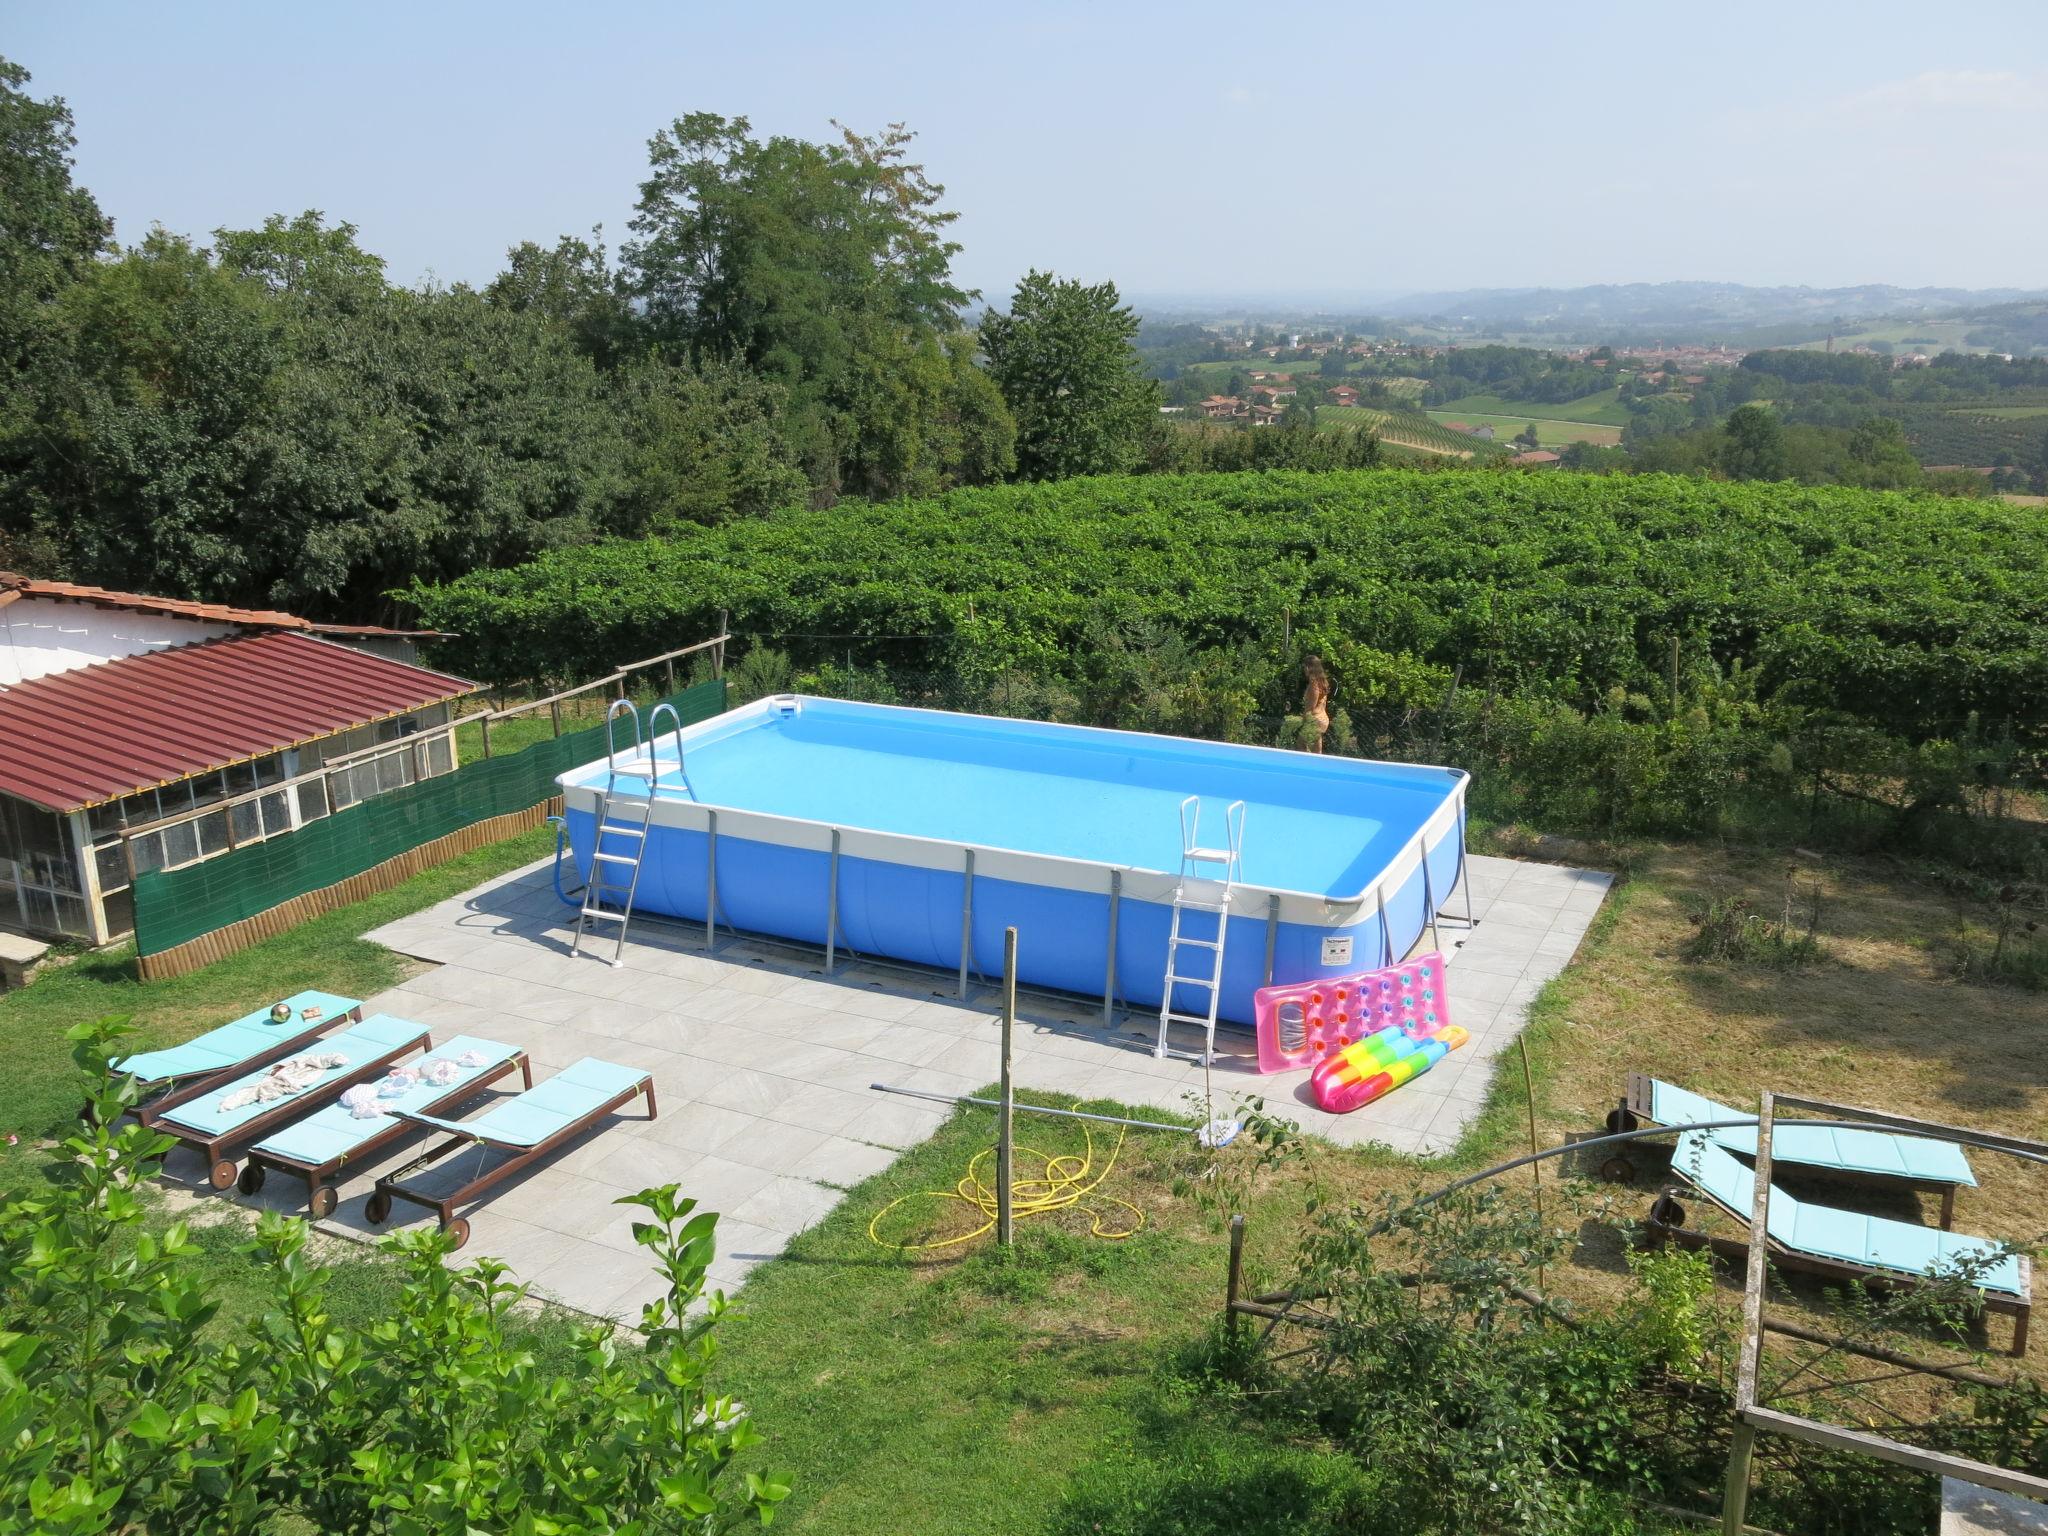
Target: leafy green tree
128	1405
571	284
51	231
1880	457
1062	357
702	446
824	267
1753	445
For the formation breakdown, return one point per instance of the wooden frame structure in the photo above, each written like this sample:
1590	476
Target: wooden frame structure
1752	1417
392	1187
319	1177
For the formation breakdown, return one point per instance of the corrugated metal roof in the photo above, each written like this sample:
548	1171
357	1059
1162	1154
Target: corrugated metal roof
13	586
100	732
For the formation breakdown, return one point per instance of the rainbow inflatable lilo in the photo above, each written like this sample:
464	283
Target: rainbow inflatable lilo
1367	1069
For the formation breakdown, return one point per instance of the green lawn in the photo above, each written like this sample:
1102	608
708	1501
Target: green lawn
2003	412
1549	433
1603	408
328	953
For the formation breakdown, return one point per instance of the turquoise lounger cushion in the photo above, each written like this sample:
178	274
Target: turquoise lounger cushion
375	1036
334	1131
1819	1146
232	1044
1829	1233
550	1107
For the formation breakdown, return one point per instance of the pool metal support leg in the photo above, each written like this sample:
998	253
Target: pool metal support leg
1272	933
966	921
711	882
832	904
1116	901
1465	869
1429	901
1386	933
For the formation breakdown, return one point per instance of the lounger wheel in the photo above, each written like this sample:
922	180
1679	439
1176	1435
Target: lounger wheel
378	1207
222	1174
458	1229
1618	1170
1667	1212
321	1201
252	1178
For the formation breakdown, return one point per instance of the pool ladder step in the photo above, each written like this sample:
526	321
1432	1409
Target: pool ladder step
1208	880
623	812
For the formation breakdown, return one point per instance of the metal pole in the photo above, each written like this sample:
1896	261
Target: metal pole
1535	1169
1386	933
710	881
1116	901
966	921
1429	898
1272	932
1005	1150
832	904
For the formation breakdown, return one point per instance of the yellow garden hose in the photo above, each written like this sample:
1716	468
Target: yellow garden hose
1068	1182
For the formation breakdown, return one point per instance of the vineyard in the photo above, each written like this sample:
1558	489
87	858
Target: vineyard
1408	428
1902	612
1953	435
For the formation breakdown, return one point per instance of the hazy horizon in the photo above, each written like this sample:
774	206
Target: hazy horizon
1182	152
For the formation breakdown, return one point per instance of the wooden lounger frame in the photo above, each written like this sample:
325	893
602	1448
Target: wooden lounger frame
221	1152
184	1089
319	1177
391	1187
1634	1113
1666	1223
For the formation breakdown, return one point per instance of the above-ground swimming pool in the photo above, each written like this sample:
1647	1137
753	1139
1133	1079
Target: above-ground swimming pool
920	835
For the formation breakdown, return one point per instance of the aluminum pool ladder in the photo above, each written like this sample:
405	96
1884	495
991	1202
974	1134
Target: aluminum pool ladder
636	809
1208	879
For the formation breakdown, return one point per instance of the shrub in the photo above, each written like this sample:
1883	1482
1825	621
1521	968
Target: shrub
126	1404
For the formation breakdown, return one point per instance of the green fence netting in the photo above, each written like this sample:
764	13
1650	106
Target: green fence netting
174	906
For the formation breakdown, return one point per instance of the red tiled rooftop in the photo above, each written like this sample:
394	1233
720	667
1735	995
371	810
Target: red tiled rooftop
100	732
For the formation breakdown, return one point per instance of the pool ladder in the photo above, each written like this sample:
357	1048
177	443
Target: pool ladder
1208	879
623	815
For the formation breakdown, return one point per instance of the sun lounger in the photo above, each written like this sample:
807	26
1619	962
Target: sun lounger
323	1143
533	1125
1855	1157
1835	1244
199	1122
185	1071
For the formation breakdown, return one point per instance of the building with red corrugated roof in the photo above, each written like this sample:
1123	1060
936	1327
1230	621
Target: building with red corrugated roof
141	732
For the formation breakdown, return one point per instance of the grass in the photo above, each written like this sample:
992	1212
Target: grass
1550	433
1065	1388
1601	408
2003	412
329	953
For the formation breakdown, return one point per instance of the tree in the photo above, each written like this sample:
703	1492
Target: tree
1753	445
1529	437
1063	358
573	286
50	234
1880	457
812	264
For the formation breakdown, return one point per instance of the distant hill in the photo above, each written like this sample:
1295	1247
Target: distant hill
1690	305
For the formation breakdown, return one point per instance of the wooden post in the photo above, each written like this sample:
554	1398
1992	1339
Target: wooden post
1231	1326
1741	1448
668	671
718	652
484	724
555	714
1005	1150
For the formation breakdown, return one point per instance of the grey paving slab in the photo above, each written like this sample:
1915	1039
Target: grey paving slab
763	1066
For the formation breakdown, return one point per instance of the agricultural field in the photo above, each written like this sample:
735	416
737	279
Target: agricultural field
1550	432
1602	408
1929	336
1405	430
2003	412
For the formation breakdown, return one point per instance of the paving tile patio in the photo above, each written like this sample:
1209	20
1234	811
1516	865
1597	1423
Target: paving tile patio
764	1065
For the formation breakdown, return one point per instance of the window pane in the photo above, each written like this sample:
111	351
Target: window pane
277	816
149	852
247	826
213	834
113	868
269	770
208	789
312	799
181	844
120	910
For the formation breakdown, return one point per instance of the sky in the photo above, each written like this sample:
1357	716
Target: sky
1182	149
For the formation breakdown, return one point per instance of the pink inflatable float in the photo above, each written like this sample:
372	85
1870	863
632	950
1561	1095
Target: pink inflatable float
1303	1023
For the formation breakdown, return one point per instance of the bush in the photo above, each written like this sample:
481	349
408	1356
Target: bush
126	1404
